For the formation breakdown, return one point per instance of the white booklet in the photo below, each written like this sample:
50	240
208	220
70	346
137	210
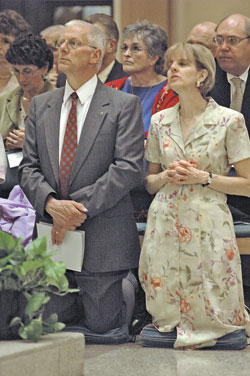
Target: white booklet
71	251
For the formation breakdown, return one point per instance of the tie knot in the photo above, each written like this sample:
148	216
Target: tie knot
74	95
237	82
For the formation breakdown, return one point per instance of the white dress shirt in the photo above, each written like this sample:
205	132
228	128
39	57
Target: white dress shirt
85	94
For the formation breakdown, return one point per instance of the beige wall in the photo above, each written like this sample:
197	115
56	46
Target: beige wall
177	17
184	14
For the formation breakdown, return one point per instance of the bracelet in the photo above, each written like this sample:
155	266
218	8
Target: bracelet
209	180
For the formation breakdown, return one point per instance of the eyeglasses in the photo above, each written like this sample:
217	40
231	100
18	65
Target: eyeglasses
133	50
72	44
26	72
231	41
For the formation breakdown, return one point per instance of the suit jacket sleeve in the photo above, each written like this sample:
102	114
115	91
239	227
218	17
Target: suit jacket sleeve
31	177
126	170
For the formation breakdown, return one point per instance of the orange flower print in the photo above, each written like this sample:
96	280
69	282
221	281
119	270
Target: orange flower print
166	143
185	306
230	252
237	316
185	234
156	281
144	277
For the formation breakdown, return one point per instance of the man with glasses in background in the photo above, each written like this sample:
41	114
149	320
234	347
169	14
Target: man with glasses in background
232	89
83	154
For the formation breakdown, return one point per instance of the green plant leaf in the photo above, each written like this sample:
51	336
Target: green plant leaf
33	331
10	284
15	321
59	326
32	265
37	248
35	302
51	320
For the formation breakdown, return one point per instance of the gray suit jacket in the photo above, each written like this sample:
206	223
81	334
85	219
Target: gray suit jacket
107	166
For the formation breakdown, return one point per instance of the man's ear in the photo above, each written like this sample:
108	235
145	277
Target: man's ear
111	45
96	56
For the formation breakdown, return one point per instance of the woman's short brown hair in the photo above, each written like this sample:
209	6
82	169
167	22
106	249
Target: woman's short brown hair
200	56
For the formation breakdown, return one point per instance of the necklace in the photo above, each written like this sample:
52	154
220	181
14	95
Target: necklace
145	96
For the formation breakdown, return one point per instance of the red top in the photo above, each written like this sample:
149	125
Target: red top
166	97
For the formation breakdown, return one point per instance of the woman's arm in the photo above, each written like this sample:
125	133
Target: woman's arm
234	185
155	178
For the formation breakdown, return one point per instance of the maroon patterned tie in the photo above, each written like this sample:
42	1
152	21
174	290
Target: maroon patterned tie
69	148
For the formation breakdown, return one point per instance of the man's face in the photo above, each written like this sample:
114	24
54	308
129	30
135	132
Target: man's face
75	53
233	58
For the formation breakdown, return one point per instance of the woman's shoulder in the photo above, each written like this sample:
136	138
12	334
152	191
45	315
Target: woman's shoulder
221	111
168	114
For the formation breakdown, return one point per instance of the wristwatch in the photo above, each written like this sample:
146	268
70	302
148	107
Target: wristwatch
209	180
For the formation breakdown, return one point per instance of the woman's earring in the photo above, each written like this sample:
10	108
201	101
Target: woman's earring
198	84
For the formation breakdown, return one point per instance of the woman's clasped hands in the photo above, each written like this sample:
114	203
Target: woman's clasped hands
184	172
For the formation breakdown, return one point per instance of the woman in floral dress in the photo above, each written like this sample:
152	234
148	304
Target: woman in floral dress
190	265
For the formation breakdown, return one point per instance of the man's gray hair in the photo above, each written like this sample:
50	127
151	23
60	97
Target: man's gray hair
154	37
95	38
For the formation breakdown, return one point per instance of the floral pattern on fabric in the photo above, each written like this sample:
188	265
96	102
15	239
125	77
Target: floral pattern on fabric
190	265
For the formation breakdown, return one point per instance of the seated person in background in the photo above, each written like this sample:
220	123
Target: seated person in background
190	265
3	162
12	25
110	69
204	34
31	59
233	56
52	34
143	48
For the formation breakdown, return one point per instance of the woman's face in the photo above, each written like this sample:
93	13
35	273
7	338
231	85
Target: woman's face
29	77
135	57
5	42
182	73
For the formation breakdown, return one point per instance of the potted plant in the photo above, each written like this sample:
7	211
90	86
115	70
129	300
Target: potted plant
27	279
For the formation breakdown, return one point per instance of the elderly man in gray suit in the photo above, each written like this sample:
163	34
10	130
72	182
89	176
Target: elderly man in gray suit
82	156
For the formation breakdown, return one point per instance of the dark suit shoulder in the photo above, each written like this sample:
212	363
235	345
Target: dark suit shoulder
116	72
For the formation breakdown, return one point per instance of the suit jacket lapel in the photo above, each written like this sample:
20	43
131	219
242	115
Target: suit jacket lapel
96	114
52	126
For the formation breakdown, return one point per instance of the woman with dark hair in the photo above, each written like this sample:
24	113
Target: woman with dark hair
12	25
31	59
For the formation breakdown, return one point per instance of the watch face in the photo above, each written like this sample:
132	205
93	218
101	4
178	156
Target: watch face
209	180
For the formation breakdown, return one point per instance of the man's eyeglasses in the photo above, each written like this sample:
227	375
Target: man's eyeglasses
231	41
26	72
133	50
72	44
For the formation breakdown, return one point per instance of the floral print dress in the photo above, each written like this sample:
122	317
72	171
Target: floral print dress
190	265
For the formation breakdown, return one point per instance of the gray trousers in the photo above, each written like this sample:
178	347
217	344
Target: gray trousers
105	301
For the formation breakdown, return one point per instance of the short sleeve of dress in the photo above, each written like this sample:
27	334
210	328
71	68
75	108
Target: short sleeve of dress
237	138
3	161
153	152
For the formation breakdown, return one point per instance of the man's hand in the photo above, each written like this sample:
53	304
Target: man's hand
15	139
67	215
